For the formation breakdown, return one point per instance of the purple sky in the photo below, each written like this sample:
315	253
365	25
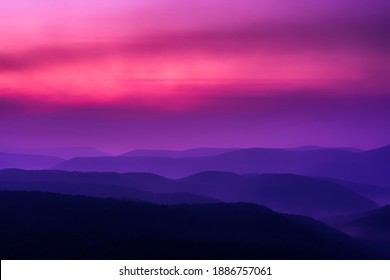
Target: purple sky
121	75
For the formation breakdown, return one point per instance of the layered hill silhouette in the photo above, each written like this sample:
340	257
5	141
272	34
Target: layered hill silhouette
196	152
195	204
52	226
280	192
313	148
369	167
108	191
61	152
8	160
378	194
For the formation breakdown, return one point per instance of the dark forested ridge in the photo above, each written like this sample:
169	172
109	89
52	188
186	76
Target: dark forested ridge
38	225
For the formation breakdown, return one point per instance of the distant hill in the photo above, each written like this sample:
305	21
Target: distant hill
107	191
379	194
52	226
313	148
142	181
369	167
196	152
380	151
281	192
8	160
62	152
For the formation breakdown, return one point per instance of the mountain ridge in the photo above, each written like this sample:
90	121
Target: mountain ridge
111	229
364	167
282	192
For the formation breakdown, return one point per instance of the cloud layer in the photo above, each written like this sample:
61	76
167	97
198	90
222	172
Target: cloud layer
211	70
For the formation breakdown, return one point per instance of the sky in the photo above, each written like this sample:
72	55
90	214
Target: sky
177	74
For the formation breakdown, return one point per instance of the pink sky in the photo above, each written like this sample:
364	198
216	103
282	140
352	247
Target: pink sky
189	60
